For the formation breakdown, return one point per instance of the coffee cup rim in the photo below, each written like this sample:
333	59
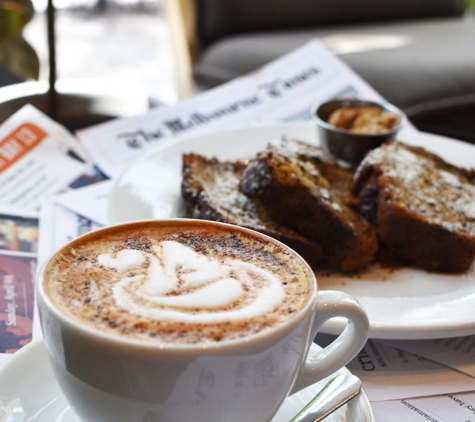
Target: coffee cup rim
126	341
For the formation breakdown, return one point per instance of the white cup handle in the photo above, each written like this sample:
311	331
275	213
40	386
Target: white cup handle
347	345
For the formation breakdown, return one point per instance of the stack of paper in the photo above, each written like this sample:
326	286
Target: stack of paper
53	189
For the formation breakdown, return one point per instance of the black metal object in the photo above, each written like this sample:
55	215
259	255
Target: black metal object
52	94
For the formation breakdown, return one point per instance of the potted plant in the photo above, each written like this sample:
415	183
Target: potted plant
15	53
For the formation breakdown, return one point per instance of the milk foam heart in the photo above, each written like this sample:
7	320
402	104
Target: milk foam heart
182	282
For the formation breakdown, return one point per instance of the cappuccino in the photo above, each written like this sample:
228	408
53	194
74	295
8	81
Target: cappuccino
178	282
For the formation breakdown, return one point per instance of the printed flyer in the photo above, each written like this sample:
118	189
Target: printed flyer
30	142
18	266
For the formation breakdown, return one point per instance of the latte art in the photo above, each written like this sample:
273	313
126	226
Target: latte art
189	287
179	282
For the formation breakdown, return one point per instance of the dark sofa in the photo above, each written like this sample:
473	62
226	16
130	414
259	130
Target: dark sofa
419	54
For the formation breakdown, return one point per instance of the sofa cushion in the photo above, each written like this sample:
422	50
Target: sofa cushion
221	18
410	64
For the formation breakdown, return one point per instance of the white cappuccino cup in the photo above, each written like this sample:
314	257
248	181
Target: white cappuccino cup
113	378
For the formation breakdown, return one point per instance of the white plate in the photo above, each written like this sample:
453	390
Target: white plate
402	304
29	393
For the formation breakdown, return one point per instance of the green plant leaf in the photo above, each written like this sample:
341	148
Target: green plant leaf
14	14
18	56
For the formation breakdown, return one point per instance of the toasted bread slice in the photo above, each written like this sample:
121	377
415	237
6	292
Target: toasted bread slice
210	191
303	188
423	207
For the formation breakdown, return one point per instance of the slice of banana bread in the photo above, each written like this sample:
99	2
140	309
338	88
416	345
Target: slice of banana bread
423	207
210	191
303	188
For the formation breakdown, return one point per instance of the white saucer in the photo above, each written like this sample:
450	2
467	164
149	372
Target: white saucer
407	303
29	393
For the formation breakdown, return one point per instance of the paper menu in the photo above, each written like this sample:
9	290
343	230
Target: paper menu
456	352
447	408
284	90
38	158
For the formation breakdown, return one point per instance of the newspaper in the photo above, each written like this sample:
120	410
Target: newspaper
388	373
284	90
456	352
447	408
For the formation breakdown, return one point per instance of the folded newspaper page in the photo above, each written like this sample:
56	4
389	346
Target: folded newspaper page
284	90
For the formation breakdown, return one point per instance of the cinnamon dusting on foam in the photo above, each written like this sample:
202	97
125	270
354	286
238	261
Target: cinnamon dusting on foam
178	287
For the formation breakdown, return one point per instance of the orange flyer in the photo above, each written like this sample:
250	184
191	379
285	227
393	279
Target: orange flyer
19	143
